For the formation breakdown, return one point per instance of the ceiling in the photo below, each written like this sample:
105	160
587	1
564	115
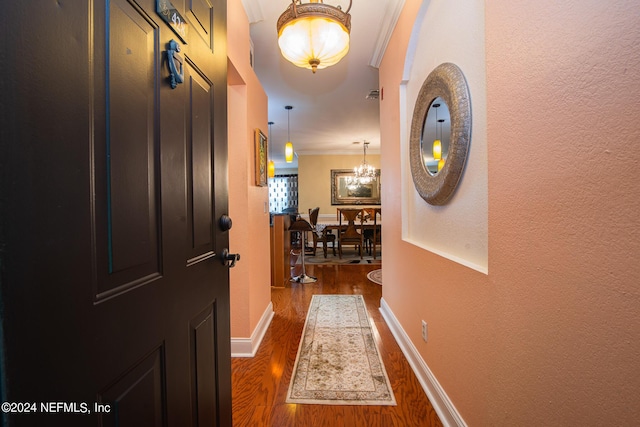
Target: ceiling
331	112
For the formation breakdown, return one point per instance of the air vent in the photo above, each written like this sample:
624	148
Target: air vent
374	94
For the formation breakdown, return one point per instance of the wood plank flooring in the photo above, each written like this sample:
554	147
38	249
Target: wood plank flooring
260	383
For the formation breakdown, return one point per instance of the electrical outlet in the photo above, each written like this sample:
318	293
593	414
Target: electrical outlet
424	331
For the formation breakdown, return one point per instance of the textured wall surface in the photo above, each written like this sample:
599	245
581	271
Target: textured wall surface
551	336
248	205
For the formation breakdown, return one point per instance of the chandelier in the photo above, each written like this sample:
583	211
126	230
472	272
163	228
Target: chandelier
314	35
363	174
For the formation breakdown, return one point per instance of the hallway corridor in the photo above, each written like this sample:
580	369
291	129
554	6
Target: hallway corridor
260	384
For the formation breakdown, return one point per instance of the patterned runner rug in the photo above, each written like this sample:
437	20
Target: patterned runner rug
338	362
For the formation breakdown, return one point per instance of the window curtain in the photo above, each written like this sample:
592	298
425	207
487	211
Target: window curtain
283	193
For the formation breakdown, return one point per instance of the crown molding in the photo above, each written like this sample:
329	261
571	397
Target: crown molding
253	10
394	7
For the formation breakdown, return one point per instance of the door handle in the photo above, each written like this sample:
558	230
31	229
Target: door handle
176	75
229	259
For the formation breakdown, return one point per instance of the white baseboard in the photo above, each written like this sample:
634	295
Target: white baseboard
436	394
247	347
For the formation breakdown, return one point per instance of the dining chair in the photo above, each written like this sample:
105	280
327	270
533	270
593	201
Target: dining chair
350	233
372	233
325	235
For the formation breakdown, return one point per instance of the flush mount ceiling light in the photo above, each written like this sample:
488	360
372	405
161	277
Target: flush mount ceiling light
314	35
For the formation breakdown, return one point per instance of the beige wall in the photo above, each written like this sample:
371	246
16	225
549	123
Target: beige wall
424	225
314	178
551	336
248	204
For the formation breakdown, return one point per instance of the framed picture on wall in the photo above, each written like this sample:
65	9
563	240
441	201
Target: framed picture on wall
346	191
261	158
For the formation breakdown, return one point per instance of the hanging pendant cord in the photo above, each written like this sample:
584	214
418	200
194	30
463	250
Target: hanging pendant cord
437	121
270	123
364	158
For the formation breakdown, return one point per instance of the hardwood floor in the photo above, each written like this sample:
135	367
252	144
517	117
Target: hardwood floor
260	383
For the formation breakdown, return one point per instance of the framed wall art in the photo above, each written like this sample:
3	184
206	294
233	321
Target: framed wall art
345	190
261	158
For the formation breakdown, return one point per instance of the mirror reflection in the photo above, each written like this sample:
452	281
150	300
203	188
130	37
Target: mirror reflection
436	136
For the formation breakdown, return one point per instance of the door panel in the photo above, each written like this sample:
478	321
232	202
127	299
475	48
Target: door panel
131	144
138	394
201	14
127	149
203	345
111	188
199	158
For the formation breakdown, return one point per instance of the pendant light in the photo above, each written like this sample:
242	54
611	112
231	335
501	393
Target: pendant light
271	166
437	144
314	35
440	159
288	147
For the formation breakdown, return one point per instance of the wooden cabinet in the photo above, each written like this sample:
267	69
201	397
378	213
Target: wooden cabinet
280	250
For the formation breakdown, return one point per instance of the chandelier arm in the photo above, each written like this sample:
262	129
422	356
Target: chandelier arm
349	8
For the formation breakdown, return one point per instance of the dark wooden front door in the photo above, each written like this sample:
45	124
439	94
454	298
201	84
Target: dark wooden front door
115	302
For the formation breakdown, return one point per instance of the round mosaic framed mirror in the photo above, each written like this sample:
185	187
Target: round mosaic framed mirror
444	85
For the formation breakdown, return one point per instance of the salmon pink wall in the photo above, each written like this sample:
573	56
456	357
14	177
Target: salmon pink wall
248	204
551	335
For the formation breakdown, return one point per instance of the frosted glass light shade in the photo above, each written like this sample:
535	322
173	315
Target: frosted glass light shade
288	152
314	42
437	149
314	35
271	169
